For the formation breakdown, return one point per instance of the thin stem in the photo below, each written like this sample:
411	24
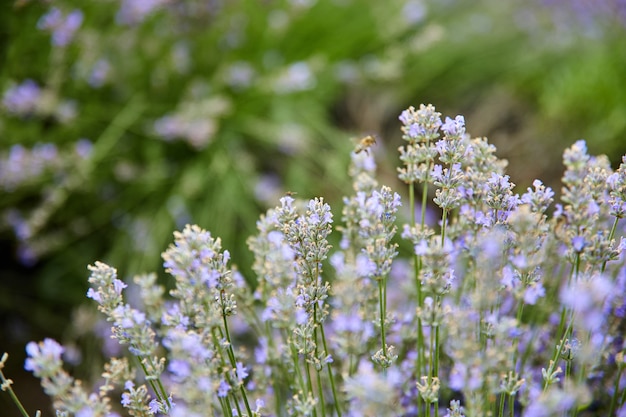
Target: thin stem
616	390
501	410
431	358
557	353
6	385
318	375
236	403
444	219
226	409
330	374
417	266
437	349
382	316
161	387
309	383
272	348
233	362
321	393
155	388
623	400
296	366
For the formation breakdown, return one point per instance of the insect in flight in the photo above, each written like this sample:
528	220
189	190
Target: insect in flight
365	144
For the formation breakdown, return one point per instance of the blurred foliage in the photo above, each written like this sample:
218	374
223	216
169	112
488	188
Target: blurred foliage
207	111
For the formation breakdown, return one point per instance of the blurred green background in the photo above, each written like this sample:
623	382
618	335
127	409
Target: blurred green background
123	120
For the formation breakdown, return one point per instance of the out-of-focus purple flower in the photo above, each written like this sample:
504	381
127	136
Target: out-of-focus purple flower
62	27
168	127
578	243
26	255
99	73
222	390
22	99
83	147
181	369
297	77
587	299
414	11
365	267
240	75
44	358
463	377
197	130
85	412
533	293
136	11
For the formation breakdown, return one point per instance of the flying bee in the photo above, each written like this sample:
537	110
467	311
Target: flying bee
365	144
290	193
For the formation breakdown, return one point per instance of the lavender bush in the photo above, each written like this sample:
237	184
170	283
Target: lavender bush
508	305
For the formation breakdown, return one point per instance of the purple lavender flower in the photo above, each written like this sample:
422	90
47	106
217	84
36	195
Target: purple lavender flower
136	11
44	358
84	147
587	297
241	371
540	198
62	27
179	368
533	293
22	99
297	77
454	127
99	73
153	406
223	388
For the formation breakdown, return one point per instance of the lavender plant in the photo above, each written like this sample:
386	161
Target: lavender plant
511	307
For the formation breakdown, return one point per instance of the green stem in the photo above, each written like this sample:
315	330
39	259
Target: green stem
272	348
296	366
444	218
616	390
309	383
431	358
320	389
330	374
424	201
226	408
382	315
318	374
437	349
237	406
157	389
558	351
7	386
417	267
623	400
233	362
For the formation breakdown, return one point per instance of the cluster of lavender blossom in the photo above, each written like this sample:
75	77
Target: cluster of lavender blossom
508	306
